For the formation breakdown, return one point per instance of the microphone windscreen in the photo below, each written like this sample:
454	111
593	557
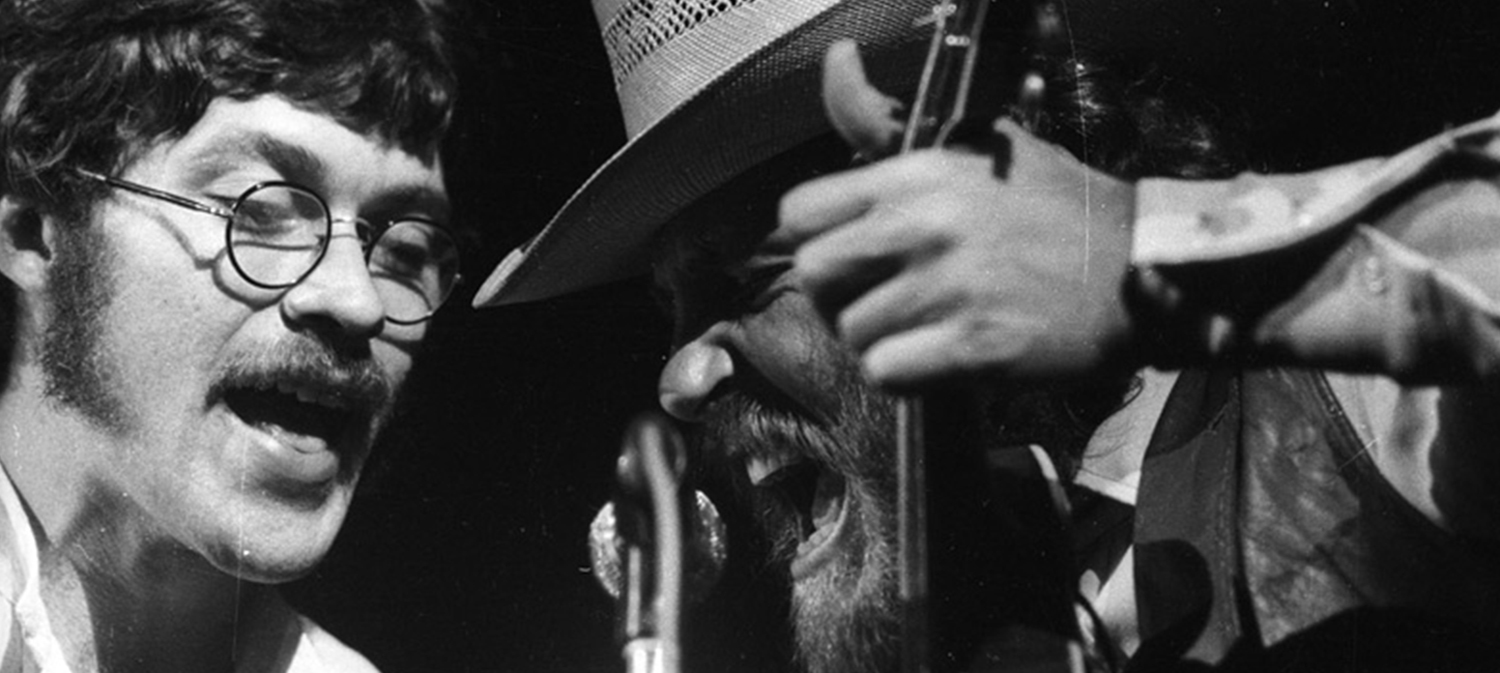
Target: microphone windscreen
706	550
606	547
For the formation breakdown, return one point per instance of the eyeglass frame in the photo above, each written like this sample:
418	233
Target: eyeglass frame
228	215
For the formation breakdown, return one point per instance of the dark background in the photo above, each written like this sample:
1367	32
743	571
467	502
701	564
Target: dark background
466	549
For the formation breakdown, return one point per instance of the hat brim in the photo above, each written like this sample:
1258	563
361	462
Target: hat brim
766	103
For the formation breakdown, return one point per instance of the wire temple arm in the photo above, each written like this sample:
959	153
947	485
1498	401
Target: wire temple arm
155	193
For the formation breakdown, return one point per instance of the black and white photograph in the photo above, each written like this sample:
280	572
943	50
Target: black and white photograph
749	336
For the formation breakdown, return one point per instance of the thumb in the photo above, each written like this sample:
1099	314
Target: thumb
862	115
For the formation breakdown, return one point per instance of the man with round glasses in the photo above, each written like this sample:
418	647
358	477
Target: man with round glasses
224	229
277	232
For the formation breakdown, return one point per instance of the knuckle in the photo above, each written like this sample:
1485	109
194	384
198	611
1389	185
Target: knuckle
814	263
847	325
916	168
792	210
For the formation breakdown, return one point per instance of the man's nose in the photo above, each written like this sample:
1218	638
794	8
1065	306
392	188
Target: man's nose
691	376
339	293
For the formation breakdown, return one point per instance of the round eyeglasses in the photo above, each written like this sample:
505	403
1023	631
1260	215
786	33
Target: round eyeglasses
277	233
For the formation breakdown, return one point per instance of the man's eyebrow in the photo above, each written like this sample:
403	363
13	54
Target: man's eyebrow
302	166
421	199
291	160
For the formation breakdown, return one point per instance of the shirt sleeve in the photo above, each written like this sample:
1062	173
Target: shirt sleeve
1387	266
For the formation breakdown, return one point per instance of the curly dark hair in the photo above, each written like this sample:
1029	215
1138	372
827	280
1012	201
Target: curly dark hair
87	83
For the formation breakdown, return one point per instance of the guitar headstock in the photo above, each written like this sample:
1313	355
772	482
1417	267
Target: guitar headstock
958	86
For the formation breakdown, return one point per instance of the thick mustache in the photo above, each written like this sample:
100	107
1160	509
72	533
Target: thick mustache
358	381
737	426
852	435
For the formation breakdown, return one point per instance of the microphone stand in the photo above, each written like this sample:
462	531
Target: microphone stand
649	471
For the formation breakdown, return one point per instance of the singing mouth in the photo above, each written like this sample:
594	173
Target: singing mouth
288	408
817	496
308	413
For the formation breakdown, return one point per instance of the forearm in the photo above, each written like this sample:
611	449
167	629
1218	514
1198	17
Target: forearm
1382	266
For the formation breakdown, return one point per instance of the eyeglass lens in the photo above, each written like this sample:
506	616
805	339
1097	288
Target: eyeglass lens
279	233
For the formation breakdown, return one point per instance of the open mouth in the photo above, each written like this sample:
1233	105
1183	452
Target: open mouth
816	495
305	416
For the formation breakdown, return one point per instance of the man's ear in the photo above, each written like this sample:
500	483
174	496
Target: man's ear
25	242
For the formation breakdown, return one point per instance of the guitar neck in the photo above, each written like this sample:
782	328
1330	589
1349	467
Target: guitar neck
943	92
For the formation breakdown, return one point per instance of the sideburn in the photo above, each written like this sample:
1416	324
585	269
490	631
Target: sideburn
80	286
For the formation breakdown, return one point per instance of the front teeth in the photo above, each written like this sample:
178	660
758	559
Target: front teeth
329	399
761	467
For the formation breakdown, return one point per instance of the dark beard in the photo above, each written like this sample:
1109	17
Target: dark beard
75	370
846	617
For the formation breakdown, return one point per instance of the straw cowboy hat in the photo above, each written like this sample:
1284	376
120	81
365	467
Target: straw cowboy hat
708	89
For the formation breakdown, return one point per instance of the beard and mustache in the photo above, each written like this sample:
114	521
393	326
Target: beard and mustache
846	615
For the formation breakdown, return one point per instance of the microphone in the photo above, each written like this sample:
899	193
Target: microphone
647	552
707	550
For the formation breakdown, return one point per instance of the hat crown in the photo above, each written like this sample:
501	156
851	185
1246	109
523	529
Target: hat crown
664	52
634	29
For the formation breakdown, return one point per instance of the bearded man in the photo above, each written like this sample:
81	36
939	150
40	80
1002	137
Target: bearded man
769	391
1238	516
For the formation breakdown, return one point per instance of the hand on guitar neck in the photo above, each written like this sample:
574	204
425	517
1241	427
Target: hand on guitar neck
934	270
